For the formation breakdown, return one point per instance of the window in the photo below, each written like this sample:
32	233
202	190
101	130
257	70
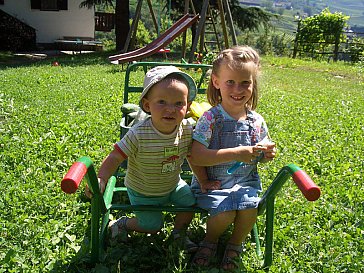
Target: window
48	4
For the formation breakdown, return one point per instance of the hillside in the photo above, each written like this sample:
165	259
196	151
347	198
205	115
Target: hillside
291	8
355	9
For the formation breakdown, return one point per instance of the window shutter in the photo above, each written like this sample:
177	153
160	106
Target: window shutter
63	4
35	4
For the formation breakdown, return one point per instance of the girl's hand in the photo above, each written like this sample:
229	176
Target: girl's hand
270	151
206	185
248	154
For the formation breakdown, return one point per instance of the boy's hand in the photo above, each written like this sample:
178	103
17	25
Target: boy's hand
206	185
102	186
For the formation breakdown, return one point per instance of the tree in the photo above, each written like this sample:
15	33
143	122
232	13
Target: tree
249	18
122	15
245	18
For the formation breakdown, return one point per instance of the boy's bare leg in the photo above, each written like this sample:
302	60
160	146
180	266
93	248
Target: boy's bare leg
182	220
132	225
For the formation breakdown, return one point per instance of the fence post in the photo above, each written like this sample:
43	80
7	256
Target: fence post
295	48
336	48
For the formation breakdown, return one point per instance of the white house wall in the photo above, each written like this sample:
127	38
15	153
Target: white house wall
52	25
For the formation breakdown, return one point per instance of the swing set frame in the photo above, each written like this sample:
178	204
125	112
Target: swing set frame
225	19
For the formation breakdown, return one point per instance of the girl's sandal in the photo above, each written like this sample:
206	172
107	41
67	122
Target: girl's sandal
228	260
203	256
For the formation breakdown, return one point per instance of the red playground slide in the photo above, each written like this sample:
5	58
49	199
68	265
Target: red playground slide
167	37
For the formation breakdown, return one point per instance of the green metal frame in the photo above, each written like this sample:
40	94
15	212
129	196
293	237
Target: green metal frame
101	205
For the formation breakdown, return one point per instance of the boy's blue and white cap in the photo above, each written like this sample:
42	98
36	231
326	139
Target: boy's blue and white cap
158	73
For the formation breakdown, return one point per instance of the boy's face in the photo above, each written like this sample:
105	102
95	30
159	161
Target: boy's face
167	103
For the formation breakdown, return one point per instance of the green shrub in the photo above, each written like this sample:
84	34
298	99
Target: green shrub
143	36
321	34
356	49
269	42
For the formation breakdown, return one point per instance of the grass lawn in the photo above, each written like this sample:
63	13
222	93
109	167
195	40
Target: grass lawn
52	115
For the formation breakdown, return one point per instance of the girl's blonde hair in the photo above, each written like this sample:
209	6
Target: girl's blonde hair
236	58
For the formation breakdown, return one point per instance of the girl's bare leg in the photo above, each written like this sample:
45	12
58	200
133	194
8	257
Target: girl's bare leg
243	224
216	225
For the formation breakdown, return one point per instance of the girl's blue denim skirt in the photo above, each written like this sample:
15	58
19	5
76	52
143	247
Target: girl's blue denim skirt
235	198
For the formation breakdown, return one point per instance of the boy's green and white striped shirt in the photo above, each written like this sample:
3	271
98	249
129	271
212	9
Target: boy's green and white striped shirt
155	159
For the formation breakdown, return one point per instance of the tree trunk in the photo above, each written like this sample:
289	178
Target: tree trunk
121	23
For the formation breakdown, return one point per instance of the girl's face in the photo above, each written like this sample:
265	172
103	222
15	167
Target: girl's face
167	103
236	88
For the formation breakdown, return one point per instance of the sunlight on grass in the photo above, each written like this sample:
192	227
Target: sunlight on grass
52	115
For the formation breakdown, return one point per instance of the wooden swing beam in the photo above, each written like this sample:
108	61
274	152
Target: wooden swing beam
224	10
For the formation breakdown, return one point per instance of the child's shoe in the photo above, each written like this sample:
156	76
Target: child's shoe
232	257
182	239
205	253
118	229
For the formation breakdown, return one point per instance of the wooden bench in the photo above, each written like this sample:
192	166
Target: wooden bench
78	44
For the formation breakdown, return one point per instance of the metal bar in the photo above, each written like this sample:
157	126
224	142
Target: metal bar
97	206
108	195
255	235
268	253
109	191
95	222
276	186
131	208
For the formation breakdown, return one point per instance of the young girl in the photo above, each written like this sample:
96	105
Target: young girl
230	132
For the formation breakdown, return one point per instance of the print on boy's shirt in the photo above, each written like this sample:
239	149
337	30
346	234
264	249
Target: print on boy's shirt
170	164
170	151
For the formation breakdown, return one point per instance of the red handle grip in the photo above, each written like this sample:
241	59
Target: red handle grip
309	189
73	178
